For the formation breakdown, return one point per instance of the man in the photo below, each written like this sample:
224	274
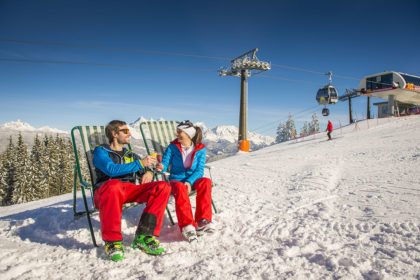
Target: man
117	171
329	129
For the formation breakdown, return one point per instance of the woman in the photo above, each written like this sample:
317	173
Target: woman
187	157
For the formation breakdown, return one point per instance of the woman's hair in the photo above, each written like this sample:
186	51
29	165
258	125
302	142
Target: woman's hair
113	126
198	135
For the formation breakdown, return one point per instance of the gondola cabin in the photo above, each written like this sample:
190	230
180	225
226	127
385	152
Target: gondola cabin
327	95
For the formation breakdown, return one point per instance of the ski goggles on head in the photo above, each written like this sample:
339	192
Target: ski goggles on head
186	123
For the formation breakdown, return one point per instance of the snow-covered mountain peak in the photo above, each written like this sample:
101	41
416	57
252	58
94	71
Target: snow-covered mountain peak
222	132
26	127
135	127
141	119
202	125
230	133
18	125
225	129
137	122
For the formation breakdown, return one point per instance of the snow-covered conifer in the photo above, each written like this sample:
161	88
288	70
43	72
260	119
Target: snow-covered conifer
304	131
64	177
69	166
2	179
45	163
286	131
314	125
291	128
281	133
21	191
38	180
8	173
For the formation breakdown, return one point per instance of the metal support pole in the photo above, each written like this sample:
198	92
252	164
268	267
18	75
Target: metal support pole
242	137
368	108
391	105
350	113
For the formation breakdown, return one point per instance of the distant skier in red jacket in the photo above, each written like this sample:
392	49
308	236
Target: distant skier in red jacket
329	129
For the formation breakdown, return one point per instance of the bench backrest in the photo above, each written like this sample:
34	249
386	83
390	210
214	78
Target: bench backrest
91	136
157	135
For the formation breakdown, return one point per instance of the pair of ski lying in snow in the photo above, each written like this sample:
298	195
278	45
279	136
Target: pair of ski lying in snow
118	171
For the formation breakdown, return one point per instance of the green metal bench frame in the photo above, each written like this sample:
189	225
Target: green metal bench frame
157	135
91	136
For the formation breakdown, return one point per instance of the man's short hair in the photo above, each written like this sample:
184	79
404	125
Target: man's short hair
113	126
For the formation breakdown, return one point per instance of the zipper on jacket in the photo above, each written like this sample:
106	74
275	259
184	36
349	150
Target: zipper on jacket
121	158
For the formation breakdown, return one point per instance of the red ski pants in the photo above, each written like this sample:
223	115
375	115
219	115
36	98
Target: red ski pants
183	205
112	195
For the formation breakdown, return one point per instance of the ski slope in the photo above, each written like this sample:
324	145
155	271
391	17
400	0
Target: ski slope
307	209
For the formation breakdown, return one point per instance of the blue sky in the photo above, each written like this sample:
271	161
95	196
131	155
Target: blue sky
64	63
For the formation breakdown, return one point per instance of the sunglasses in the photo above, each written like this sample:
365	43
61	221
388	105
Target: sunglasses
124	130
187	123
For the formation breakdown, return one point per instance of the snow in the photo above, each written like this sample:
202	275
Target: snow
304	209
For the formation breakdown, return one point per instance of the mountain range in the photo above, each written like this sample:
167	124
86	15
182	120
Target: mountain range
28	132
221	141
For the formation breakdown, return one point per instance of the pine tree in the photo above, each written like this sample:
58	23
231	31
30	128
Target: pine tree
36	149
291	128
45	155
2	179
83	165
21	191
60	165
38	181
314	125
281	133
54	181
305	129
8	179
65	166
286	131
69	167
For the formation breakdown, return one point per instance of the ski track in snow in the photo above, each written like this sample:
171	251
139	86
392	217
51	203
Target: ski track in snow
315	209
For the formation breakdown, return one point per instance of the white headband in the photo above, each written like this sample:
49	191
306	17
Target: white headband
189	130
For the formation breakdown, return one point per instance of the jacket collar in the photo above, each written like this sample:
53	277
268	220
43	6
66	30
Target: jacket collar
196	147
107	147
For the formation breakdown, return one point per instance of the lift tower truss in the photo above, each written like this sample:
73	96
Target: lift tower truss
244	66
